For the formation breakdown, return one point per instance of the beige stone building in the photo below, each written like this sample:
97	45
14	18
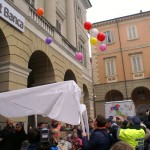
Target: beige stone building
122	71
26	60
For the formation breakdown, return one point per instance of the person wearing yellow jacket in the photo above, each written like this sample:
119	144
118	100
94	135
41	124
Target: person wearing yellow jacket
133	135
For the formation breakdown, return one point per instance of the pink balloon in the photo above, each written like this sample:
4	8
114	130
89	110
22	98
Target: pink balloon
79	56
103	47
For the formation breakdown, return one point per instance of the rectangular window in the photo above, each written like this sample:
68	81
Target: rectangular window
109	37
110	67
58	25
132	33
137	65
83	51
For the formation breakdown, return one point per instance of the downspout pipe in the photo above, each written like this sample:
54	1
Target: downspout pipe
122	59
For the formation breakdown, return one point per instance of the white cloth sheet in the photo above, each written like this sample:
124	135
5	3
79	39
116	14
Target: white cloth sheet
59	101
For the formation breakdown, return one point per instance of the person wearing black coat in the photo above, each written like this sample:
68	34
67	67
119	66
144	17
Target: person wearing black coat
34	139
100	138
7	135
20	135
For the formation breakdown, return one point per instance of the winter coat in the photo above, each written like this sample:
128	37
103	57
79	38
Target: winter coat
19	138
99	140
147	140
8	135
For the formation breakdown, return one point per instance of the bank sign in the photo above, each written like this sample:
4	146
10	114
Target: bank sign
9	14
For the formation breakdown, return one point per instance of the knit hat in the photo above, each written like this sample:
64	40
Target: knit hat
135	120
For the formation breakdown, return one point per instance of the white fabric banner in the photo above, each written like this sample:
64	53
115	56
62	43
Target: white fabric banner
60	101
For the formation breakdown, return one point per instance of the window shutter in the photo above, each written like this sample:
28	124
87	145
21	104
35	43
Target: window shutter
109	37
108	69
129	33
112	67
112	37
138	65
133	32
134	64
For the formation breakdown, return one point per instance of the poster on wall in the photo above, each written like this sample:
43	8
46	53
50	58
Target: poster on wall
122	108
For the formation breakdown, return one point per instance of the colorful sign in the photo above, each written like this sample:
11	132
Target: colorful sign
9	14
119	108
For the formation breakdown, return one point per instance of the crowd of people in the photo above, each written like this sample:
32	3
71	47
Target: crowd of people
12	136
113	133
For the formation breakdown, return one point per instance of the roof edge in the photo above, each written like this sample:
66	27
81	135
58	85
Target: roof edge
122	18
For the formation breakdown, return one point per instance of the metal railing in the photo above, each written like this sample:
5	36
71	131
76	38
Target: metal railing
41	21
52	31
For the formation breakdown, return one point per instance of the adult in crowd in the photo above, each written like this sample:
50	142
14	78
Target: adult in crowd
91	125
147	136
100	138
64	144
46	140
112	128
76	141
134	135
55	129
78	129
122	146
41	125
7	135
20	135
34	139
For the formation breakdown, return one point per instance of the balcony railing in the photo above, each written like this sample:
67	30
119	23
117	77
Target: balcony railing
41	21
52	31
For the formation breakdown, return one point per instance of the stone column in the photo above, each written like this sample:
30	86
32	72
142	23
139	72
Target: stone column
70	22
12	76
50	11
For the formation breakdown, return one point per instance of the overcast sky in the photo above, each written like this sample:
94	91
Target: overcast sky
108	9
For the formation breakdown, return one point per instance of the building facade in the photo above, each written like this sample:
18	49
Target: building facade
26	60
122	71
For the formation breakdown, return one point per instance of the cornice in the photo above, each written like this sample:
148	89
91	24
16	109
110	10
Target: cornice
88	4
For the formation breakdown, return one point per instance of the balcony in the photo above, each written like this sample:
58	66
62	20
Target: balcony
29	12
50	30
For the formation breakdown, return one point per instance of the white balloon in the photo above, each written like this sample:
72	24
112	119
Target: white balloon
94	32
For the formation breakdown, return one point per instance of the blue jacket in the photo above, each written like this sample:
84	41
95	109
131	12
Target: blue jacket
99	140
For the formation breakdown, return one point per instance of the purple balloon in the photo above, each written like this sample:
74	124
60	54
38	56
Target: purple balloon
103	47
48	40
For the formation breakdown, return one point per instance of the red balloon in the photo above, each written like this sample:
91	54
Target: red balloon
40	11
87	25
101	36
